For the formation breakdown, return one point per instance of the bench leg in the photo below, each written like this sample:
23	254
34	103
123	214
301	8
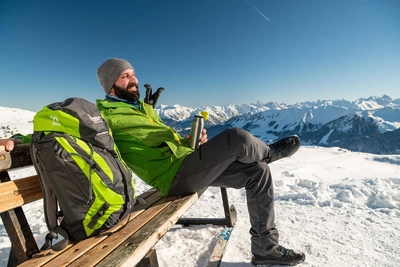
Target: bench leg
230	215
150	260
23	244
230	211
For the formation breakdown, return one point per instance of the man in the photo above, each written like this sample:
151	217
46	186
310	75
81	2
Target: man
164	160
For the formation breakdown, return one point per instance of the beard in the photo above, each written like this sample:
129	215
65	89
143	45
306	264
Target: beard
124	93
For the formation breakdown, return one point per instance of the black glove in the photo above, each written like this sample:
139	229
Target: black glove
151	99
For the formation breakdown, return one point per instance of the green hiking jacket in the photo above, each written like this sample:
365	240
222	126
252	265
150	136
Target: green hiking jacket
153	150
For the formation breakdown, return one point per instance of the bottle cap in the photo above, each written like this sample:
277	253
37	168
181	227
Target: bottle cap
204	114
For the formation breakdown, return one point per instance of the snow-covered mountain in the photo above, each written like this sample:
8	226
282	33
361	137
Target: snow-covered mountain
368	125
179	117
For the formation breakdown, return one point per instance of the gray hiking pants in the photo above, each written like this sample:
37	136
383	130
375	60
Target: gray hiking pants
235	159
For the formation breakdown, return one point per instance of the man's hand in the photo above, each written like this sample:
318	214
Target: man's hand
9	143
203	138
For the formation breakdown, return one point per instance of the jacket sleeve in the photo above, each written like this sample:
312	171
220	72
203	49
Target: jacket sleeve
26	139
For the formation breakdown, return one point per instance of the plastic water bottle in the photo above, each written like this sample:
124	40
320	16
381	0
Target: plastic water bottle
195	131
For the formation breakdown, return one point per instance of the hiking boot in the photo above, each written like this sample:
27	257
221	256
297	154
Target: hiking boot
280	256
284	148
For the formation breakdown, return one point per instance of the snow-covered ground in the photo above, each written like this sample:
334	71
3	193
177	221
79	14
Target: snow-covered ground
341	208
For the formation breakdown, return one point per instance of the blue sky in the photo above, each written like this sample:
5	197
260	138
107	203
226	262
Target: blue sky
203	52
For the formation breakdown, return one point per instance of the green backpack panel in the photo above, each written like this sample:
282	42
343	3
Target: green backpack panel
87	187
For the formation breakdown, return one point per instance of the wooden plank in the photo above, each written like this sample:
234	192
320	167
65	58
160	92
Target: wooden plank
44	256
19	192
130	252
104	248
86	245
74	251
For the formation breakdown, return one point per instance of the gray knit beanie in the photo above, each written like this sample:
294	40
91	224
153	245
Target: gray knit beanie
109	72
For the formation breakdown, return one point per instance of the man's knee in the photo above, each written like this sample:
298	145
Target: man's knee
240	136
249	148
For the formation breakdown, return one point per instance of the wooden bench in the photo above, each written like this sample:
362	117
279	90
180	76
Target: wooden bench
132	245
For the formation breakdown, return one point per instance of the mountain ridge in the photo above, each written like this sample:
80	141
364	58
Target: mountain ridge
366	124
327	123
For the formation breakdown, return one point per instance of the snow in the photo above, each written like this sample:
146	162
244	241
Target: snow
324	140
14	120
341	208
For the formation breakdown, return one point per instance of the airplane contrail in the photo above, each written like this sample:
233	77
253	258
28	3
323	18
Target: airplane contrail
257	10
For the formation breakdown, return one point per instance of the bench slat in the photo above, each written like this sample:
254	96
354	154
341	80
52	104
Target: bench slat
85	247
19	192
91	258
136	247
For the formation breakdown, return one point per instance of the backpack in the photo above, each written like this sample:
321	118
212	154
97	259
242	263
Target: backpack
87	187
